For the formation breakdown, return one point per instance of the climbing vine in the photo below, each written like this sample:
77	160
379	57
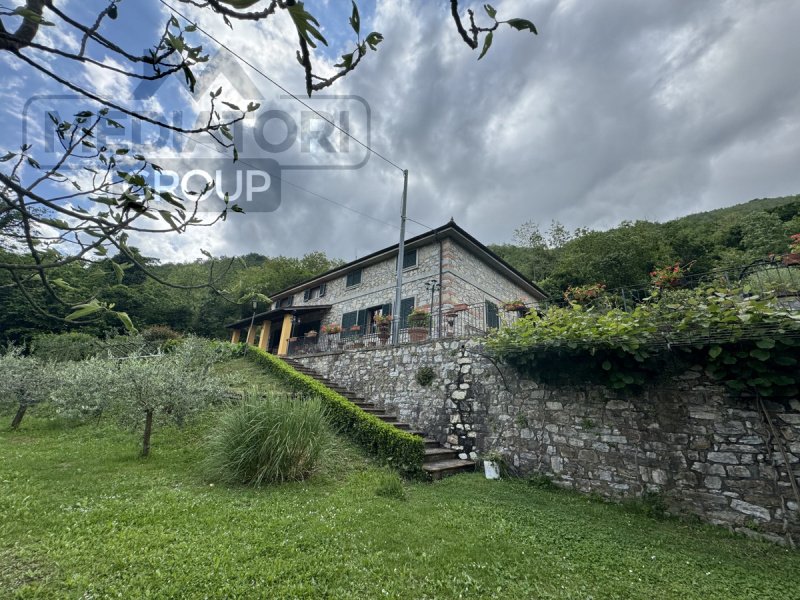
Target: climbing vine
748	342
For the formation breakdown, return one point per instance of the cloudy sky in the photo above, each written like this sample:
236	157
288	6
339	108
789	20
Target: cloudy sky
618	109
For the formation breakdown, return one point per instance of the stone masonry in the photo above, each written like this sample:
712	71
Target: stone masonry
708	454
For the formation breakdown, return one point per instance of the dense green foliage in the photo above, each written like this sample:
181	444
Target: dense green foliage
83	518
61	347
625	255
749	342
149	303
272	438
400	449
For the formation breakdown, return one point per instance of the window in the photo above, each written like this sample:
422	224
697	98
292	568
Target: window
492	316
354	277
315	292
410	258
284	302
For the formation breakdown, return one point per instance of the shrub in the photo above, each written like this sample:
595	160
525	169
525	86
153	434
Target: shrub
271	439
425	376
399	448
419	318
24	381
160	333
390	486
60	347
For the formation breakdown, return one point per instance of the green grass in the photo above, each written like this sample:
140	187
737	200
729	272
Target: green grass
82	516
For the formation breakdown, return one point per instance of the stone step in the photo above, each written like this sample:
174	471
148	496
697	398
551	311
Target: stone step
431	443
364	405
438	454
373	410
387	418
443	468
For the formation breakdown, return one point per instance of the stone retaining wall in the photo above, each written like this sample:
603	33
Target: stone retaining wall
708	454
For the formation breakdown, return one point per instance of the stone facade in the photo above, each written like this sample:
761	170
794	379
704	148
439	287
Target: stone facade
465	279
708	454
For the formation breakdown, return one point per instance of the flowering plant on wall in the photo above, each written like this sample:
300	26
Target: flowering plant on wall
794	245
331	329
515	304
383	320
669	276
584	294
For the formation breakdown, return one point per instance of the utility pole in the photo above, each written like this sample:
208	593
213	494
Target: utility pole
401	251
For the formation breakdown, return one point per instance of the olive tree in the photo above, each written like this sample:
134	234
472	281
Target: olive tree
24	381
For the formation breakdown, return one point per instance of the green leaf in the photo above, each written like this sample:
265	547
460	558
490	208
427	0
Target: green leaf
490	11
487	42
522	25
765	343
355	20
8	156
305	24
715	351
760	354
84	310
231	105
373	39
118	272
126	321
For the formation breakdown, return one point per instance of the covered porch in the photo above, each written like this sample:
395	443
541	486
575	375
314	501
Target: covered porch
272	330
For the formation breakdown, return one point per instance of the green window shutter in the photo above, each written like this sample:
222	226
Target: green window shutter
306	295
354	277
348	320
492	316
406	306
361	321
322	289
410	259
386	309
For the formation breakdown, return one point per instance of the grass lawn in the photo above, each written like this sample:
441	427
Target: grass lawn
84	517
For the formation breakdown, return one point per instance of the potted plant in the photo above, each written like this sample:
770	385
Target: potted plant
332	331
384	325
358	341
793	258
418	323
514	305
491	464
311	334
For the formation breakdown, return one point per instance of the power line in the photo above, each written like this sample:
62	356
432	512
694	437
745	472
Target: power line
280	87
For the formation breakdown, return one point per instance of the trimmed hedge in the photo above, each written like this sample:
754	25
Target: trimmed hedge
402	450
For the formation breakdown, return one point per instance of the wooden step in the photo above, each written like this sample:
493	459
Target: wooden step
443	468
439	454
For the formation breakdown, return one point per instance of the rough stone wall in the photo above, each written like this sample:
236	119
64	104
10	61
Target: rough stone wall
465	279
469	280
707	453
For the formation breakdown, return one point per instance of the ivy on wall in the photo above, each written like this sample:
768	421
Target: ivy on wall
748	342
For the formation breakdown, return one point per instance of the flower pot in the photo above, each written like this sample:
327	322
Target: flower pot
791	259
418	334
491	469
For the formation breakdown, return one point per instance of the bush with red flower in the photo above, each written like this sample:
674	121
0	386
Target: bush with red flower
669	276
794	245
585	294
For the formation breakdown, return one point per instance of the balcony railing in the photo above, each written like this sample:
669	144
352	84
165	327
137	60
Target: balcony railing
462	322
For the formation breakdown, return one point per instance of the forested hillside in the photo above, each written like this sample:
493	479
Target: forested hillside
619	257
625	255
148	302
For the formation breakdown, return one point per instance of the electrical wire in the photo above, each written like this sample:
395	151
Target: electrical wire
279	86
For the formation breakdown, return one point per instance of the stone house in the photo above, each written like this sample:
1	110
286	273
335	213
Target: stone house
446	272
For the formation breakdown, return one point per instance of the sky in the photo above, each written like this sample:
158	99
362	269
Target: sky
617	110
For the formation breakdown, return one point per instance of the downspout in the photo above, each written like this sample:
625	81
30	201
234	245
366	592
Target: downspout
441	285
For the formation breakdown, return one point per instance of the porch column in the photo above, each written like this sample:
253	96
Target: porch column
235	336
263	340
251	334
286	333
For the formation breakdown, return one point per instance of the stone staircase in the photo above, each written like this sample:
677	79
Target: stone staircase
439	461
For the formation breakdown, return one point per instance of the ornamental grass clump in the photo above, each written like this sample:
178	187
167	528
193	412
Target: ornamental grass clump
272	439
